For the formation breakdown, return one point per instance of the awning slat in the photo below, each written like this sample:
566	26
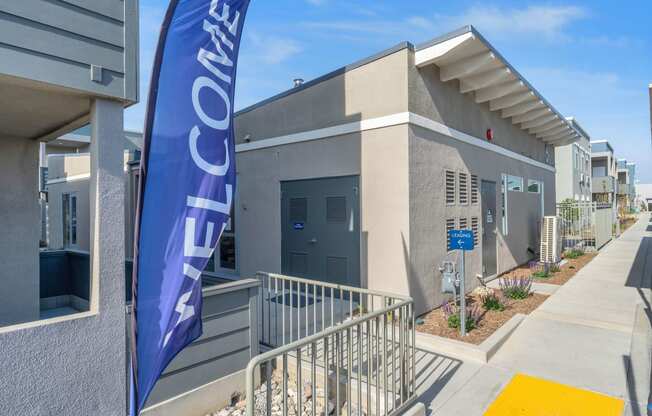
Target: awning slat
466	56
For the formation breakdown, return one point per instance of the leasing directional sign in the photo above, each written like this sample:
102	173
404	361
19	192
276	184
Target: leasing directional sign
460	240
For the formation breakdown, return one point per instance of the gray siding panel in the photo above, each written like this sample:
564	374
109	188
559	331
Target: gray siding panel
109	8
69	46
132	49
57	41
222	324
68	18
216	348
171	386
25	64
224	348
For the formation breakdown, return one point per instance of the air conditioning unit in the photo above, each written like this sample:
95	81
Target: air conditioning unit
551	239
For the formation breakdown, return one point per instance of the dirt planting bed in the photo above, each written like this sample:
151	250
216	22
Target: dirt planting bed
435	323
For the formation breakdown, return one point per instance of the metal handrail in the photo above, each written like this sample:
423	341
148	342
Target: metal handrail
375	349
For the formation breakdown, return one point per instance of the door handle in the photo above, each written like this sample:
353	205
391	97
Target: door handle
312	240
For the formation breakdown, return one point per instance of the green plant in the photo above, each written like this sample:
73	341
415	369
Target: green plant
452	315
493	303
573	253
541	274
516	287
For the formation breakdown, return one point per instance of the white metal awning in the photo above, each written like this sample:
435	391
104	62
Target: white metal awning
466	56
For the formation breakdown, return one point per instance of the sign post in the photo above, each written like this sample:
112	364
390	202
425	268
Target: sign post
461	240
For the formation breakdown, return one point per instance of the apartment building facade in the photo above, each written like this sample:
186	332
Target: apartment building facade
573	167
626	194
603	172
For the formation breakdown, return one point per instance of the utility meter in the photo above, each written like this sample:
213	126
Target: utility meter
449	280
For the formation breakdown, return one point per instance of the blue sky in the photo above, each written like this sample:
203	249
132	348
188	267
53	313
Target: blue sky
590	59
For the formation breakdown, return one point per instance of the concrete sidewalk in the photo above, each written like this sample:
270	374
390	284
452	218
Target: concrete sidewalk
593	333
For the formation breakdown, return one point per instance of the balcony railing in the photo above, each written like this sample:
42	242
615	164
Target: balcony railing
338	348
602	184
624	189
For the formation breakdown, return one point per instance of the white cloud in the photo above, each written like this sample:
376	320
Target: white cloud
420	22
604	41
549	21
272	49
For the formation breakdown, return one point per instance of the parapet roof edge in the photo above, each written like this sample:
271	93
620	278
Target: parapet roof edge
327	76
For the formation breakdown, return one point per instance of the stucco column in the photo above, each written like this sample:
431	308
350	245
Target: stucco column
20	225
107	254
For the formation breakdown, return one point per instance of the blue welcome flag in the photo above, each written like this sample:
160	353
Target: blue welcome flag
187	180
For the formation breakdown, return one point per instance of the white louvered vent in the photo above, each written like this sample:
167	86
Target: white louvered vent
550	241
474	189
463	187
450	225
474	228
463	224
450	187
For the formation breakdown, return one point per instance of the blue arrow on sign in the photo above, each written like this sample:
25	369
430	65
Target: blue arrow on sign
460	240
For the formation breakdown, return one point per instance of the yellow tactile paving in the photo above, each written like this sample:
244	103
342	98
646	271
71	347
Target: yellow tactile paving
531	396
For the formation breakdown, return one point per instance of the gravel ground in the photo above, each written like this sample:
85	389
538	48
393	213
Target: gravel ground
239	409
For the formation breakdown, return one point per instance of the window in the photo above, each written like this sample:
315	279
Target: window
474	228
533	186
227	247
224	258
503	199
474	189
69	207
450	225
44	179
514	183
450	187
463	188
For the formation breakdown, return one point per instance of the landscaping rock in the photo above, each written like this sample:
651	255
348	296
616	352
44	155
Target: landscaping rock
260	406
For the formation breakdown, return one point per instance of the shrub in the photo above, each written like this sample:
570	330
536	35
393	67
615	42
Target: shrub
493	303
543	270
541	274
491	300
573	253
516	287
452	315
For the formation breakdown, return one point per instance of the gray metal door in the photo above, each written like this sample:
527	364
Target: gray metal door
320	235
489	219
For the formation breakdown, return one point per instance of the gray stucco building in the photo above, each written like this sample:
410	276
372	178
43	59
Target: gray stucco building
63	65
573	165
626	194
356	176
